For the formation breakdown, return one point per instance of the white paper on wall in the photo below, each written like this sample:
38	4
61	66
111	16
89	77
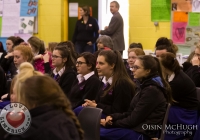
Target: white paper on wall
11	8
73	9
10	26
26	25
1	8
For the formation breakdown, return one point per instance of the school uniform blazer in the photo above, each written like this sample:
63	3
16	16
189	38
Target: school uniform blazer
86	90
8	65
66	80
116	31
117	100
2	82
194	73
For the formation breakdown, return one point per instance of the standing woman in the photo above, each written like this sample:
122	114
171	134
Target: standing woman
64	66
86	32
117	87
87	84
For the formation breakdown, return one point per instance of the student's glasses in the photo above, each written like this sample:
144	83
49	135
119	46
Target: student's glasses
80	63
55	56
135	67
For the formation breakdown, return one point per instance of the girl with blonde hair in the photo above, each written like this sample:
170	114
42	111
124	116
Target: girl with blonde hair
52	117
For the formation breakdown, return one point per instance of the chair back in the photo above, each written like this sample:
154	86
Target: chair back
162	136
198	93
89	119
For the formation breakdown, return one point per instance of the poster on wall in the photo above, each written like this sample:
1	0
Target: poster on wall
181	5
194	19
1	8
192	36
178	32
11	8
9	26
160	10
26	25
195	6
73	10
29	8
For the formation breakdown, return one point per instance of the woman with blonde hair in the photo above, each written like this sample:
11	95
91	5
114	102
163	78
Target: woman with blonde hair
52	117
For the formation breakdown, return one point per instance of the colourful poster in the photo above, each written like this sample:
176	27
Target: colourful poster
160	10
26	25
182	5
194	19
195	6
29	8
180	16
0	25
178	32
192	36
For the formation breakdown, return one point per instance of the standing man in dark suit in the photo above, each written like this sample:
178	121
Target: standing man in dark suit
116	28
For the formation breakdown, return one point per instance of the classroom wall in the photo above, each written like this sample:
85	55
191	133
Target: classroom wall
141	29
52	20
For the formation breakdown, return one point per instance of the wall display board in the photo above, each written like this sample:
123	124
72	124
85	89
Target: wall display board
184	18
17	17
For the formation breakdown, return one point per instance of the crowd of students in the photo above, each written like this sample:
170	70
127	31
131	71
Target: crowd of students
55	86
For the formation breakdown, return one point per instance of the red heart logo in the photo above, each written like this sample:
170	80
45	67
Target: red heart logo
15	119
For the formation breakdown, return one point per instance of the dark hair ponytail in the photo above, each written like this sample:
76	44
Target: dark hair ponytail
119	71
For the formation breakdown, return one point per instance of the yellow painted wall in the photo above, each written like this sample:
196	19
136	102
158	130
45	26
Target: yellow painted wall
52	20
141	29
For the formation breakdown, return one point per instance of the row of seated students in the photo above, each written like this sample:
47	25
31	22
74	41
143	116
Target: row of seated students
115	92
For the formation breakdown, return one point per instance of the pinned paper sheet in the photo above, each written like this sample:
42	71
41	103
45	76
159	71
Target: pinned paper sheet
181	5
1	8
73	9
180	17
178	32
160	10
195	6
194	19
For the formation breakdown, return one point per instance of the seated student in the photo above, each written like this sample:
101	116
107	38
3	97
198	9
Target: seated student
184	110
52	117
38	49
136	45
187	64
21	54
132	56
7	62
87	84
147	108
193	70
64	65
3	53
163	45
117	87
2	82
